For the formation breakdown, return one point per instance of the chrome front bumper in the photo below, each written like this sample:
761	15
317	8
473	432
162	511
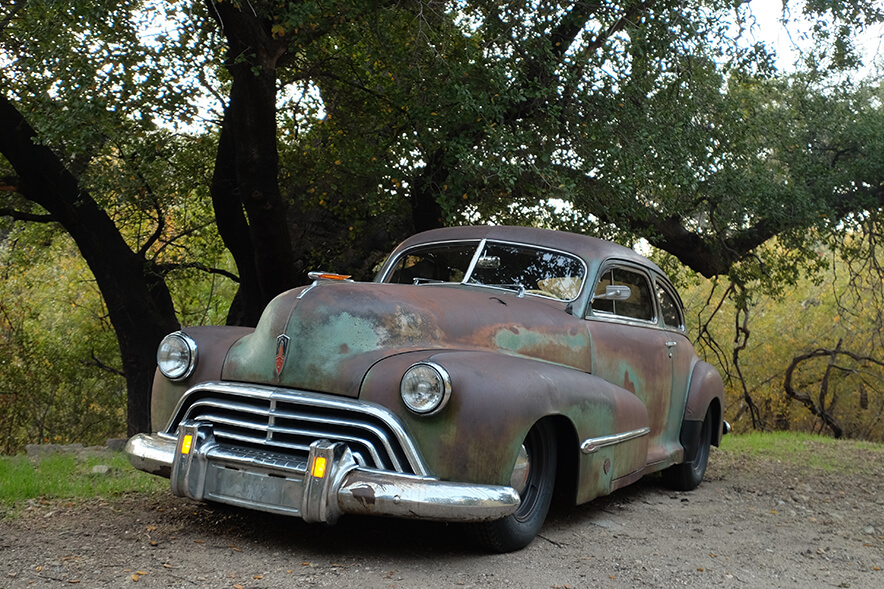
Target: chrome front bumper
320	488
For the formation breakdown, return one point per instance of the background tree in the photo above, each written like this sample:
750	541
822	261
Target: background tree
90	153
344	125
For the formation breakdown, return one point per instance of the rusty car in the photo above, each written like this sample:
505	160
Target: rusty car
483	368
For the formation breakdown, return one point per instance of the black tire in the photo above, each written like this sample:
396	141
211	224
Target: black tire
517	530
688	475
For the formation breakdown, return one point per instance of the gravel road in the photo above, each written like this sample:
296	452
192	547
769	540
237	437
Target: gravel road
752	523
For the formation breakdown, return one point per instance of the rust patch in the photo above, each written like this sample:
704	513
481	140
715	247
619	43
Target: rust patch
607	465
628	384
345	349
365	495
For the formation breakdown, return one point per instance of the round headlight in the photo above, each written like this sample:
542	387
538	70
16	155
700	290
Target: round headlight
425	388
176	356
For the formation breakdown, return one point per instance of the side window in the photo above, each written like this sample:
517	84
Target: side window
670	308
639	305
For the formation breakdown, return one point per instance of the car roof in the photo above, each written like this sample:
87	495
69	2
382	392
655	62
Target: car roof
591	249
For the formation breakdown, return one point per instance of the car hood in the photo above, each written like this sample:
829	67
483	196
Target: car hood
337	331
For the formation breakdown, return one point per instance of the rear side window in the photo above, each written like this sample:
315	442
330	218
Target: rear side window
670	309
639	304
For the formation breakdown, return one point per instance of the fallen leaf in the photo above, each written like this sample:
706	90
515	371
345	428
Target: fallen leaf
258	577
151	528
142	573
238	587
136	578
701	569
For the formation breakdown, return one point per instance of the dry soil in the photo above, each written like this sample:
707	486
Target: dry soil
752	523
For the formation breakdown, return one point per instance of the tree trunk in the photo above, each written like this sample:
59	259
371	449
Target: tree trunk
138	302
245	189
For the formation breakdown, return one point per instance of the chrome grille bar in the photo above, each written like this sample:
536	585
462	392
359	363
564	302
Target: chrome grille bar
288	421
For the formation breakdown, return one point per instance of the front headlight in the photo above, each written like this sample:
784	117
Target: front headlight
425	388
176	356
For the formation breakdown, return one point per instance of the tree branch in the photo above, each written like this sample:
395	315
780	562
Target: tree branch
12	14
99	364
22	216
167	268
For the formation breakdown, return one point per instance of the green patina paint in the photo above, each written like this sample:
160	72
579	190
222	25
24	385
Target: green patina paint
528	342
321	345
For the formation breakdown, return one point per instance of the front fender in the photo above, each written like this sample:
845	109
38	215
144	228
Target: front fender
212	344
495	401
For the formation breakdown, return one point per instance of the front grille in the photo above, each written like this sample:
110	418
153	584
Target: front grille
287	422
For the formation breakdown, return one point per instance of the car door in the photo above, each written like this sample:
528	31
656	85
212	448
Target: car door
630	350
682	358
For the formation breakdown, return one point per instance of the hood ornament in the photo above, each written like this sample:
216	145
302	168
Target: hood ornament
282	347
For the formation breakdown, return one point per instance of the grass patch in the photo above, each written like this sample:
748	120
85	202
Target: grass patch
805	450
64	476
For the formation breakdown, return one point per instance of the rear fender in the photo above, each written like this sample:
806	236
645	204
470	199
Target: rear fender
705	395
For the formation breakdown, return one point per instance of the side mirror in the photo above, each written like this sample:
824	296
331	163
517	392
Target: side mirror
614	292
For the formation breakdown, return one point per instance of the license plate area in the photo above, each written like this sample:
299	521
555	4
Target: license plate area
254	489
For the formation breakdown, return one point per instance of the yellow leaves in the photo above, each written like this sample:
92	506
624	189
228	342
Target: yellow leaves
277	31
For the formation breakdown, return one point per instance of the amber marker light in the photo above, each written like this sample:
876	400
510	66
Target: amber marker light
186	444
327	276
318	470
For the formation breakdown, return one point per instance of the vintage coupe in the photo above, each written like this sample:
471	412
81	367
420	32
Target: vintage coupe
483	366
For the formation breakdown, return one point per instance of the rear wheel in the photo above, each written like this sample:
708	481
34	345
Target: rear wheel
688	475
534	478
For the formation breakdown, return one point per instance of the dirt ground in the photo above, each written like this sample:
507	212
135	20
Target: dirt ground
753	523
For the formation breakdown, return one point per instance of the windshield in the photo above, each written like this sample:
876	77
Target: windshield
521	268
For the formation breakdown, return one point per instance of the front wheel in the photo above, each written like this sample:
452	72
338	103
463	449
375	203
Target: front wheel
534	477
688	475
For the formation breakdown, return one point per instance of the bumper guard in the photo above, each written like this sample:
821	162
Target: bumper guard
320	488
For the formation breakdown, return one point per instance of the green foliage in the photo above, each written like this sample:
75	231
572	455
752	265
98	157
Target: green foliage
54	341
67	477
809	313
807	451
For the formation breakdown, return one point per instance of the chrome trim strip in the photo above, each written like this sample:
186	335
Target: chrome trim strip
475	260
322	401
593	445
